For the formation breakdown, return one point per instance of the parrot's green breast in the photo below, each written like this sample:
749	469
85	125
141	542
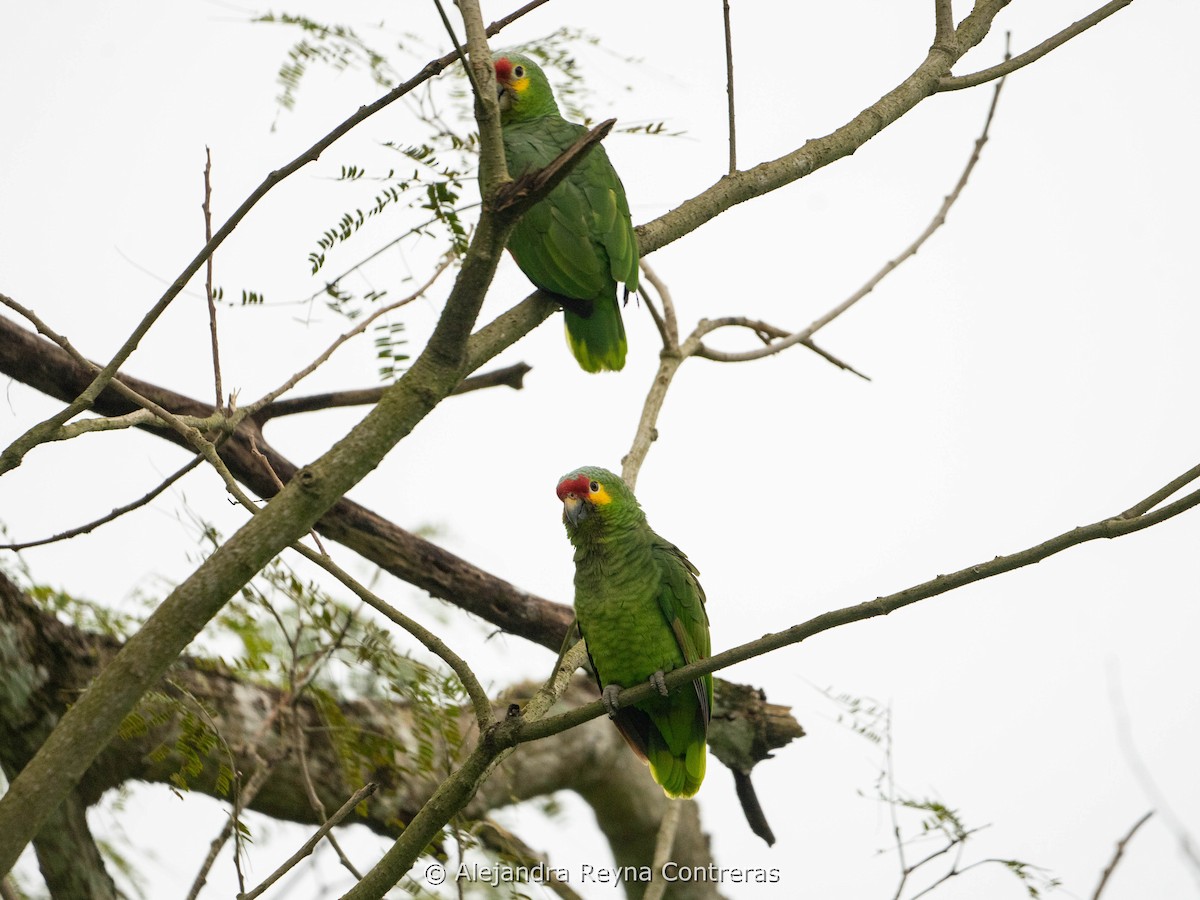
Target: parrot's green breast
616	601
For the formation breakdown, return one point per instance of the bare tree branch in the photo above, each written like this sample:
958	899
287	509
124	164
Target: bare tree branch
218	390
308	846
943	16
766	332
510	376
114	514
1187	846
817	153
729	88
255	408
958	82
1118	853
939	219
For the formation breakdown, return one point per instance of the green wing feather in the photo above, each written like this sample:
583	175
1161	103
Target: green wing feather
578	242
677	758
671	733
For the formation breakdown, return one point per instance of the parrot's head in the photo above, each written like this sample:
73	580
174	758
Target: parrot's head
594	499
522	89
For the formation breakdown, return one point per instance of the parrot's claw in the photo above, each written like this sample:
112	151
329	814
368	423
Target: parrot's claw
609	697
659	680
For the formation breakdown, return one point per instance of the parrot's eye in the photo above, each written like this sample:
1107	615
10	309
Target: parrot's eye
594	486
519	71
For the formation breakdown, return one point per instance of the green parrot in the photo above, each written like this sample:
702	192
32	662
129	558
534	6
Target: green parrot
640	609
578	242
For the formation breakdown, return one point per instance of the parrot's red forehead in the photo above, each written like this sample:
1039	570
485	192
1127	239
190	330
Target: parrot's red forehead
577	485
503	69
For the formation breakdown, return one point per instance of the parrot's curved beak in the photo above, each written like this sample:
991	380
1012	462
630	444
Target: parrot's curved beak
504	96
574	509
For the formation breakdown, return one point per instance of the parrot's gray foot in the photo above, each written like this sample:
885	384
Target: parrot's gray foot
609	697
659	680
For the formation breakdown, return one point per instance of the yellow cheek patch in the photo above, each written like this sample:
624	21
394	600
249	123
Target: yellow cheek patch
520	84
600	497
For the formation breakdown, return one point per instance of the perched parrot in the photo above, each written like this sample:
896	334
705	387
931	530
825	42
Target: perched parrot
578	242
640	609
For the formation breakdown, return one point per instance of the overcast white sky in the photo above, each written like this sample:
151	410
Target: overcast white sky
1033	368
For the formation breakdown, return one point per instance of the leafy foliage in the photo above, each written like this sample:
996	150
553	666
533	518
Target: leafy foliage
940	833
336	46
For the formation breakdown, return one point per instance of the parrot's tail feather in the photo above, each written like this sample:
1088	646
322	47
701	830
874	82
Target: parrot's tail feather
679	776
598	340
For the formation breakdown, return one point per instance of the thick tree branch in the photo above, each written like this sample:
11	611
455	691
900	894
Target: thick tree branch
817	153
46	368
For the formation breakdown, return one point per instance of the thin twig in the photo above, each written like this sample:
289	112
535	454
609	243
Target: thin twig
208	281
954	872
457	47
455	792
729	88
1118	853
415	229
498	839
274	476
508	376
115	514
1187	846
938	220
958	82
905	871
252	409
766	332
670	324
185	426
314	800
359	796
1162	494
